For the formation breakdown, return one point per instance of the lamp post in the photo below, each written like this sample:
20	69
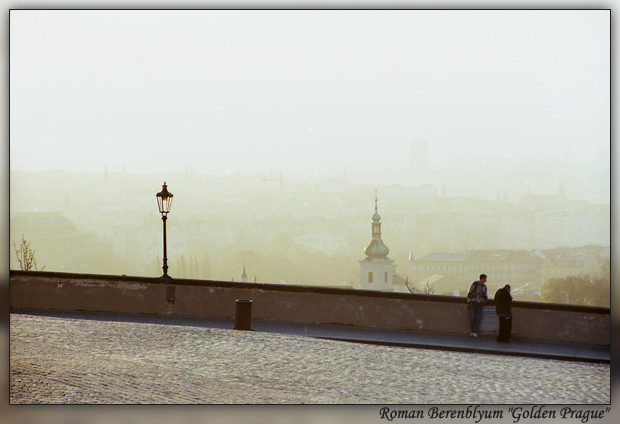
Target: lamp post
164	201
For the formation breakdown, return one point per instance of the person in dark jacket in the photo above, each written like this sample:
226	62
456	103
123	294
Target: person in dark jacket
503	309
476	297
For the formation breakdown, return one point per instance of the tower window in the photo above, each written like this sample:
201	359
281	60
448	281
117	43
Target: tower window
386	277
370	277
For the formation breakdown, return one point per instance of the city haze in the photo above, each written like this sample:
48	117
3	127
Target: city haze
273	129
307	92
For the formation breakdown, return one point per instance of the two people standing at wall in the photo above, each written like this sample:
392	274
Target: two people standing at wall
477	296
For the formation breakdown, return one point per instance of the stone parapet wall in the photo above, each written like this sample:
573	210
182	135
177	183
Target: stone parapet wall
360	308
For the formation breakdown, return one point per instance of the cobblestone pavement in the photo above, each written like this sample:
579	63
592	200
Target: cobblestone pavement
69	360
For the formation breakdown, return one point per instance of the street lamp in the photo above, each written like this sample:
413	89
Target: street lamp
164	201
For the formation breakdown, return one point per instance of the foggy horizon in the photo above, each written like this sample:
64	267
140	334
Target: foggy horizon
486	105
313	92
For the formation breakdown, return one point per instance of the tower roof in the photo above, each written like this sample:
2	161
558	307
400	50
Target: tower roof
376	250
376	217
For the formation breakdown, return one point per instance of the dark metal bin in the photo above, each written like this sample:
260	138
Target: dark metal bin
243	314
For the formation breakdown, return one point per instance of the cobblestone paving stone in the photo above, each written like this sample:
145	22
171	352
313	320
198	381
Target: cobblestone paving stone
71	361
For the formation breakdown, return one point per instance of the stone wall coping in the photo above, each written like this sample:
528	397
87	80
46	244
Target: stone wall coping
304	289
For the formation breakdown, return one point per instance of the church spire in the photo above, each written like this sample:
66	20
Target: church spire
561	193
376	269
376	202
376	249
244	276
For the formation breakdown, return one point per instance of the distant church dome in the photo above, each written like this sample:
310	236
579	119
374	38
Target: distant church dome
376	249
376	269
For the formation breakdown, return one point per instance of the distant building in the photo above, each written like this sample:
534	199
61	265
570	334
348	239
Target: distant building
244	276
562	262
324	243
554	221
377	270
451	271
544	202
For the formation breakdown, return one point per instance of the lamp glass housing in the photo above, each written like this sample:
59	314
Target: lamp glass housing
164	200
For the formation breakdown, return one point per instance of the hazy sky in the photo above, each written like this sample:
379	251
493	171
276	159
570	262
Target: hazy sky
304	91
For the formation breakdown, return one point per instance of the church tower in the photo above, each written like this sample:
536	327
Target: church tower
377	270
244	276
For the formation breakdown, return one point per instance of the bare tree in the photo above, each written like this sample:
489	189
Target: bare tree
428	288
25	256
408	285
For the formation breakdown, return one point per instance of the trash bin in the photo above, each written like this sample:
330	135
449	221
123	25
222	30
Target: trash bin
243	314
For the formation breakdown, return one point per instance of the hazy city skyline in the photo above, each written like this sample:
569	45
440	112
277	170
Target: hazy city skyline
307	92
489	105
485	133
293	231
